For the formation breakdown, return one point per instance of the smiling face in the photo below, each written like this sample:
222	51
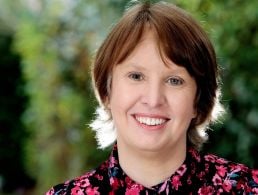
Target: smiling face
151	103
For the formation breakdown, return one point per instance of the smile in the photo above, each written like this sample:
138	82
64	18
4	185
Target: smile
150	121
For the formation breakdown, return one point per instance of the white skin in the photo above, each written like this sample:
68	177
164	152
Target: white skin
152	105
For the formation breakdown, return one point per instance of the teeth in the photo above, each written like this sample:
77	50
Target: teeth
150	121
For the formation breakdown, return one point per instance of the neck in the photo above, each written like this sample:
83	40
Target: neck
150	168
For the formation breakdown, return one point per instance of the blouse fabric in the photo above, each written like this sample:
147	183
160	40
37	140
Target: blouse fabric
204	174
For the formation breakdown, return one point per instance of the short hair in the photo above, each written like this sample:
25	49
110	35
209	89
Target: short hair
179	38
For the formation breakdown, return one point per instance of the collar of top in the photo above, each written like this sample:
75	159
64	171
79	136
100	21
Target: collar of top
119	179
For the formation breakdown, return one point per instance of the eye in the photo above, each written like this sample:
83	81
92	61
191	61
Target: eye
136	76
175	81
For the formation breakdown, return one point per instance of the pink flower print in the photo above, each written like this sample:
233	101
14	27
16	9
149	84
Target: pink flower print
210	158
92	191
99	177
206	190
50	192
207	166
216	180
193	168
82	183
87	175
227	185
77	191
113	162
238	167
201	175
115	183
255	190
195	154
221	161
133	190
255	176
104	165
176	182
219	191
189	181
128	182
221	170
164	186
182	170
244	168
240	184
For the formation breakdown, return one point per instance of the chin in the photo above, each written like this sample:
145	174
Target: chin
150	146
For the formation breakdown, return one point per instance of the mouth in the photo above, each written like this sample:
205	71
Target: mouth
151	121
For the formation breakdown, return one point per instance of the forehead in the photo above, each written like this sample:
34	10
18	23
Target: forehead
148	50
146	46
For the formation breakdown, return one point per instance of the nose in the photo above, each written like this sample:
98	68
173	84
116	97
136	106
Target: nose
153	95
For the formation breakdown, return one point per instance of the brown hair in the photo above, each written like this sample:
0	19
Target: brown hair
180	39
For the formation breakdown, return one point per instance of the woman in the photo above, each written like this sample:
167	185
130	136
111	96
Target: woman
156	79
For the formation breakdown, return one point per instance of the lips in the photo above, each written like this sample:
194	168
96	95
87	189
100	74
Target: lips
151	121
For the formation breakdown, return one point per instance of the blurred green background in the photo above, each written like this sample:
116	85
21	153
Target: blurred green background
46	102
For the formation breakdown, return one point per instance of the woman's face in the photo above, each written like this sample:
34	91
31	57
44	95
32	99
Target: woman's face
151	104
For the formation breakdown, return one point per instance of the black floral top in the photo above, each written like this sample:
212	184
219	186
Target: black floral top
199	174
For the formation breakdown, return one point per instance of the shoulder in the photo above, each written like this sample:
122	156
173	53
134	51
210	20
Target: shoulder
92	182
228	176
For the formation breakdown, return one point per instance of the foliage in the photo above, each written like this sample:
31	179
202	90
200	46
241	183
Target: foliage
13	133
56	41
236	38
54	45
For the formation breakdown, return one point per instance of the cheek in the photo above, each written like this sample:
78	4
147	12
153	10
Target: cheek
120	98
184	106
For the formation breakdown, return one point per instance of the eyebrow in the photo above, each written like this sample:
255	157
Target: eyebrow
138	66
173	68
